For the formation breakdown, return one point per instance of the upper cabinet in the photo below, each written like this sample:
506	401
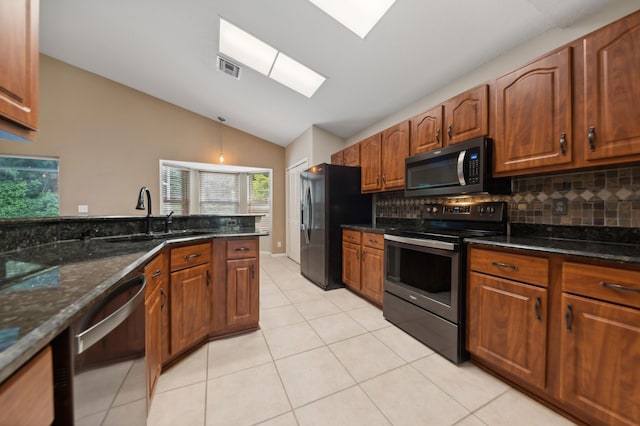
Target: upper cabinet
352	155
19	66
533	115
382	159
337	158
467	115
611	104
426	131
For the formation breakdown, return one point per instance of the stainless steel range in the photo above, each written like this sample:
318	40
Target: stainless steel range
425	272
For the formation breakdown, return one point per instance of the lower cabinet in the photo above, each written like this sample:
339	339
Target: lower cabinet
574	342
242	292
26	398
363	263
156	273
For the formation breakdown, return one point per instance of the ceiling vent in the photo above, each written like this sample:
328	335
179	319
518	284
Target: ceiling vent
228	67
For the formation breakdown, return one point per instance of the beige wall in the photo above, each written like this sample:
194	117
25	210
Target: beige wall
300	149
109	139
504	64
325	144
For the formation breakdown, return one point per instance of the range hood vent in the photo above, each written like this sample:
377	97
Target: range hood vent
228	67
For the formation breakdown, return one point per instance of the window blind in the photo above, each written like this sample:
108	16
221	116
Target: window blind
175	190
219	193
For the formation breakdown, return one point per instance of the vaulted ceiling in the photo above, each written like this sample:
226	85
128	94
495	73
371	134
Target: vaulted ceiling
167	49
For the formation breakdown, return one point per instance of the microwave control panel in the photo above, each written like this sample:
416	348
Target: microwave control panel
473	167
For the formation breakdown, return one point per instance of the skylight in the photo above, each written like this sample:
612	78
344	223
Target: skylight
240	45
360	16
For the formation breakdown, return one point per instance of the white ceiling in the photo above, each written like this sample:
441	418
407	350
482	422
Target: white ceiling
167	48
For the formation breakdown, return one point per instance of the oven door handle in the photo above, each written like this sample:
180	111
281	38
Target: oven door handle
442	245
95	333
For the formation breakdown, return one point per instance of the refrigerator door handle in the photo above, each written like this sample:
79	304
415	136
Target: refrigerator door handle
308	198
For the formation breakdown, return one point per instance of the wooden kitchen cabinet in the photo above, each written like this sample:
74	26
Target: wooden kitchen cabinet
382	159
363	263
611	91
19	49
26	397
337	158
507	313
600	342
189	295
157	350
372	266
533	120
352	155
588	332
235	304
467	115
426	131
351	258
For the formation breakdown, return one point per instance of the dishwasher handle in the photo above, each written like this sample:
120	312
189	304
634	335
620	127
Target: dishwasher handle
87	338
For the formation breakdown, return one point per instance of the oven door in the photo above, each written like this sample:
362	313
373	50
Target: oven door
425	273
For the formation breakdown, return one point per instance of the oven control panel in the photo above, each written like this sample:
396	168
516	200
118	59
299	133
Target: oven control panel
493	211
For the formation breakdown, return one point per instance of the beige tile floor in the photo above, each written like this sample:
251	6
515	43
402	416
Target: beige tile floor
330	358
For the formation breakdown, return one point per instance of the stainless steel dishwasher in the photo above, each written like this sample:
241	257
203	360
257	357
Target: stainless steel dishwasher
109	374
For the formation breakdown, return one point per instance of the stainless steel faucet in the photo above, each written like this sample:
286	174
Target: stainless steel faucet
140	205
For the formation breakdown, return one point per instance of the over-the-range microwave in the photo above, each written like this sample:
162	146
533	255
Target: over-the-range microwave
463	168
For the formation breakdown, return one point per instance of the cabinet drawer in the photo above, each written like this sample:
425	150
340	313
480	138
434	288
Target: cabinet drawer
601	282
351	236
519	267
372	239
242	248
156	272
184	257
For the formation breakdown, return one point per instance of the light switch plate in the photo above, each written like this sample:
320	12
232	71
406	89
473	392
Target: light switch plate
559	207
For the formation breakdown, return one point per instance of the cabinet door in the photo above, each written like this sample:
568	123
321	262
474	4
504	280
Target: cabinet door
352	155
600	345
507	326
395	148
533	121
190	303
242	292
19	71
612	90
351	265
153	336
372	273
467	115
337	158
370	155
426	131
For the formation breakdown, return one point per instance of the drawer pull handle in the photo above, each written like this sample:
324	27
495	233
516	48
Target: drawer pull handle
192	256
505	265
537	308
156	274
567	317
619	287
242	249
373	241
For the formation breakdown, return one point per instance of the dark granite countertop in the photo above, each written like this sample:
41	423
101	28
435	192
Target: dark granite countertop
627	253
45	288
366	228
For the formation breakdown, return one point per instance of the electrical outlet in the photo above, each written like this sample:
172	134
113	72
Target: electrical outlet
559	207
83	209
279	243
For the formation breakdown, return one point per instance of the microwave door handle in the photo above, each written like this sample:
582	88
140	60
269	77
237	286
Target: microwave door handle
461	179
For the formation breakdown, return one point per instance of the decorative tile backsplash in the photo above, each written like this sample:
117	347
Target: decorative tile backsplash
608	197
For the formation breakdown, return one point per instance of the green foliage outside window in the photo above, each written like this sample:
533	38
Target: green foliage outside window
28	187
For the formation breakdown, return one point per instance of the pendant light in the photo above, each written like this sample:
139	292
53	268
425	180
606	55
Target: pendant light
221	120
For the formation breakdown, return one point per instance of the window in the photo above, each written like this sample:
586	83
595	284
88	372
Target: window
219	193
175	190
28	187
200	188
259	196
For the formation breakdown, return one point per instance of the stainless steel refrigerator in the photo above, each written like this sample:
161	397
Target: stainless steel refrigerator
330	197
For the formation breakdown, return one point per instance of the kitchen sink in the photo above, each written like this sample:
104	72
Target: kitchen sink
153	236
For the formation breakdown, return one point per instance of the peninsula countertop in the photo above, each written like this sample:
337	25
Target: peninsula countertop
43	289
